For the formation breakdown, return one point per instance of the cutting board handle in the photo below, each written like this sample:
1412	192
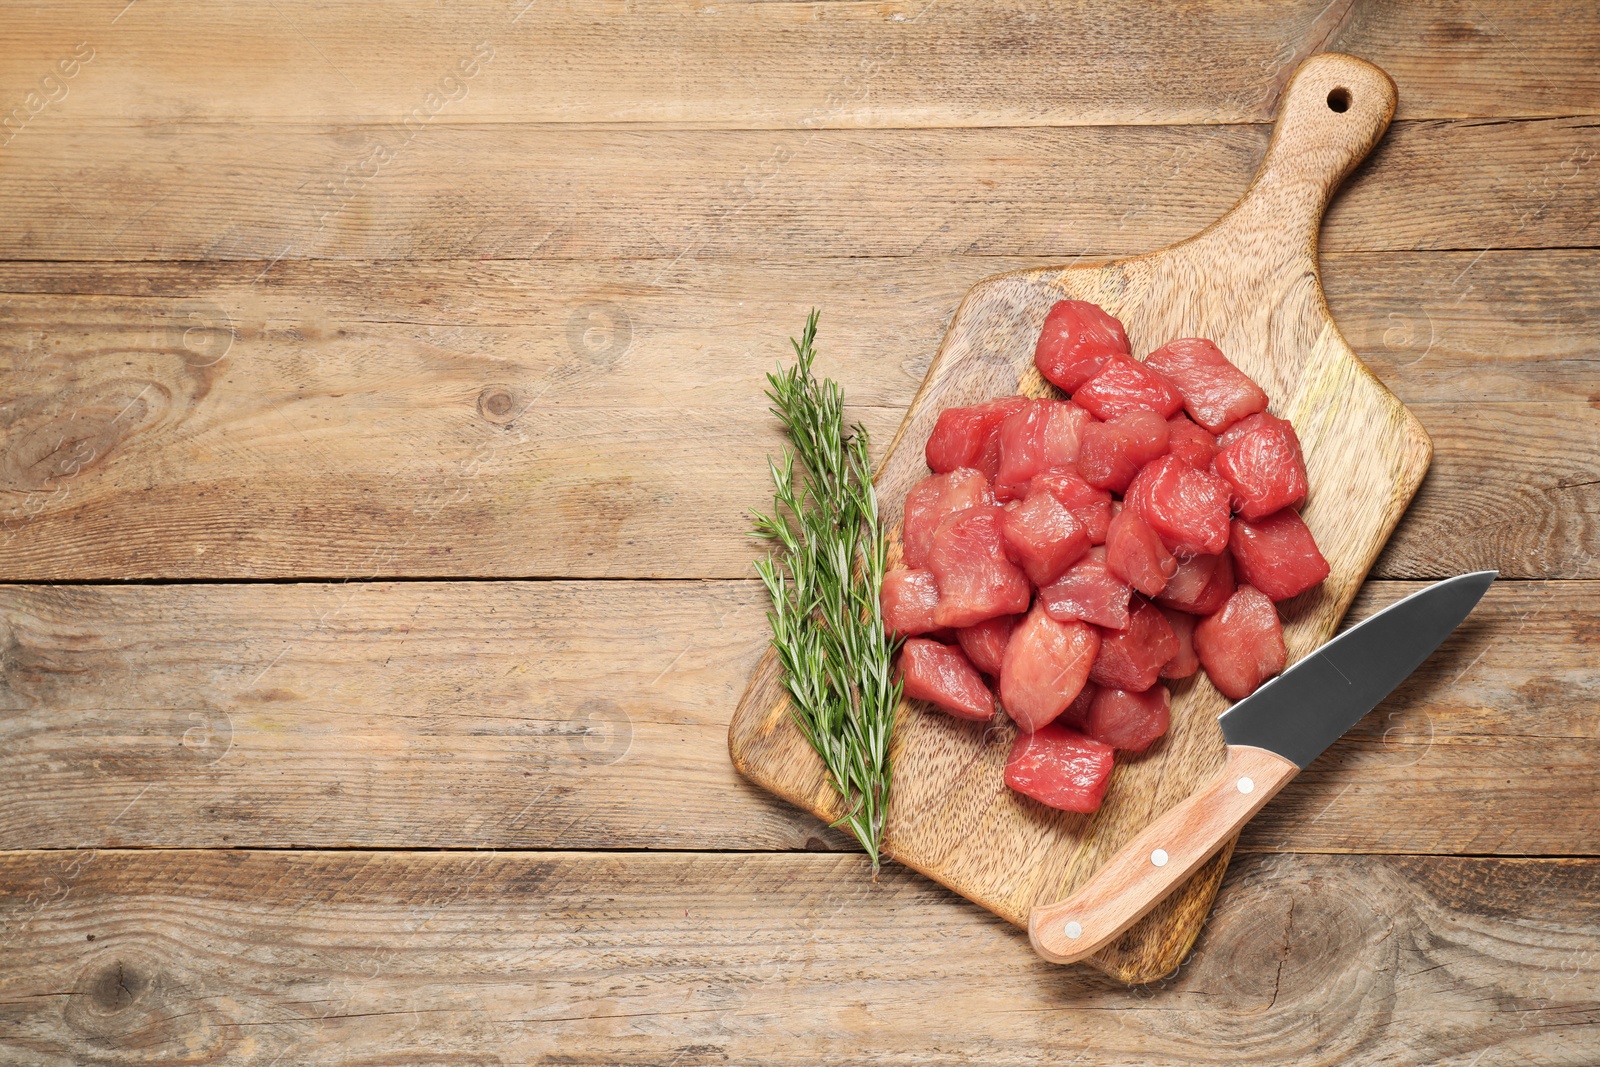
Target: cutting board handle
1159	858
1332	113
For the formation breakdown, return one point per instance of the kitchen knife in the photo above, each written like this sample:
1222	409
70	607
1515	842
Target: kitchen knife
1272	735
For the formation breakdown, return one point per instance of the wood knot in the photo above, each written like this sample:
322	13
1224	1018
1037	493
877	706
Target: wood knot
500	405
51	439
116	987
1289	938
125	1002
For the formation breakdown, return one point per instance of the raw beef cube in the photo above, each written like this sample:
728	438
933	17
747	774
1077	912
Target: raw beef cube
1132	658
1136	555
1042	537
1045	666
1187	508
985	642
1261	461
976	581
908	598
1216	394
1241	646
1077	713
1112	452
1041	436
1125	385
1063	431
1185	662
1128	721
939	673
1021	443
1090	506
931	501
1190	443
1090	592
1078	337
1277	554
1060	768
1201	585
969	437
1252	422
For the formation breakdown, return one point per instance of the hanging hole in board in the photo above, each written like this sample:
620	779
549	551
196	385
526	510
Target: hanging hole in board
1339	100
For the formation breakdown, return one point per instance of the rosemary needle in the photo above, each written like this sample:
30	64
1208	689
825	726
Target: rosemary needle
824	576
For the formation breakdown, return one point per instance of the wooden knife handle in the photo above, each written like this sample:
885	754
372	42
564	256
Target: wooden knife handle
1159	859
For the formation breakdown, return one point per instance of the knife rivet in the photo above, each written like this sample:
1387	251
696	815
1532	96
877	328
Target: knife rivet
1246	785
1159	857
1074	930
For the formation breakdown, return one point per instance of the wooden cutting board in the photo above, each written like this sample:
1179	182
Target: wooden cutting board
1250	283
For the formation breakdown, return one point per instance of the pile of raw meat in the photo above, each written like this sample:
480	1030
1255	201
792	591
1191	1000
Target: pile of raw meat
1078	551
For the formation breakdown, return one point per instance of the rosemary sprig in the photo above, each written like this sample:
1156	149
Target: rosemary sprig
824	577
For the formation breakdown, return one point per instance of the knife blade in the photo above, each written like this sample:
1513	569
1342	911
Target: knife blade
1312	704
1272	735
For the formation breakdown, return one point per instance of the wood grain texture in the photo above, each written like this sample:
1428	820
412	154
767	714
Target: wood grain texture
1540	59
483	958
787	65
1159	858
745	65
470	191
1248	282
412	715
442	714
366	388
1471	327
1503	514
1486	326
690	138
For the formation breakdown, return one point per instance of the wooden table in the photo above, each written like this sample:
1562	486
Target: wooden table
381	413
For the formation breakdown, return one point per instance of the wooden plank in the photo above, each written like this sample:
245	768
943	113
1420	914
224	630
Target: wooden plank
1464	327
749	65
289	492
479	958
1459	58
896	64
451	190
595	714
148	428
412	715
1535	515
1435	326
